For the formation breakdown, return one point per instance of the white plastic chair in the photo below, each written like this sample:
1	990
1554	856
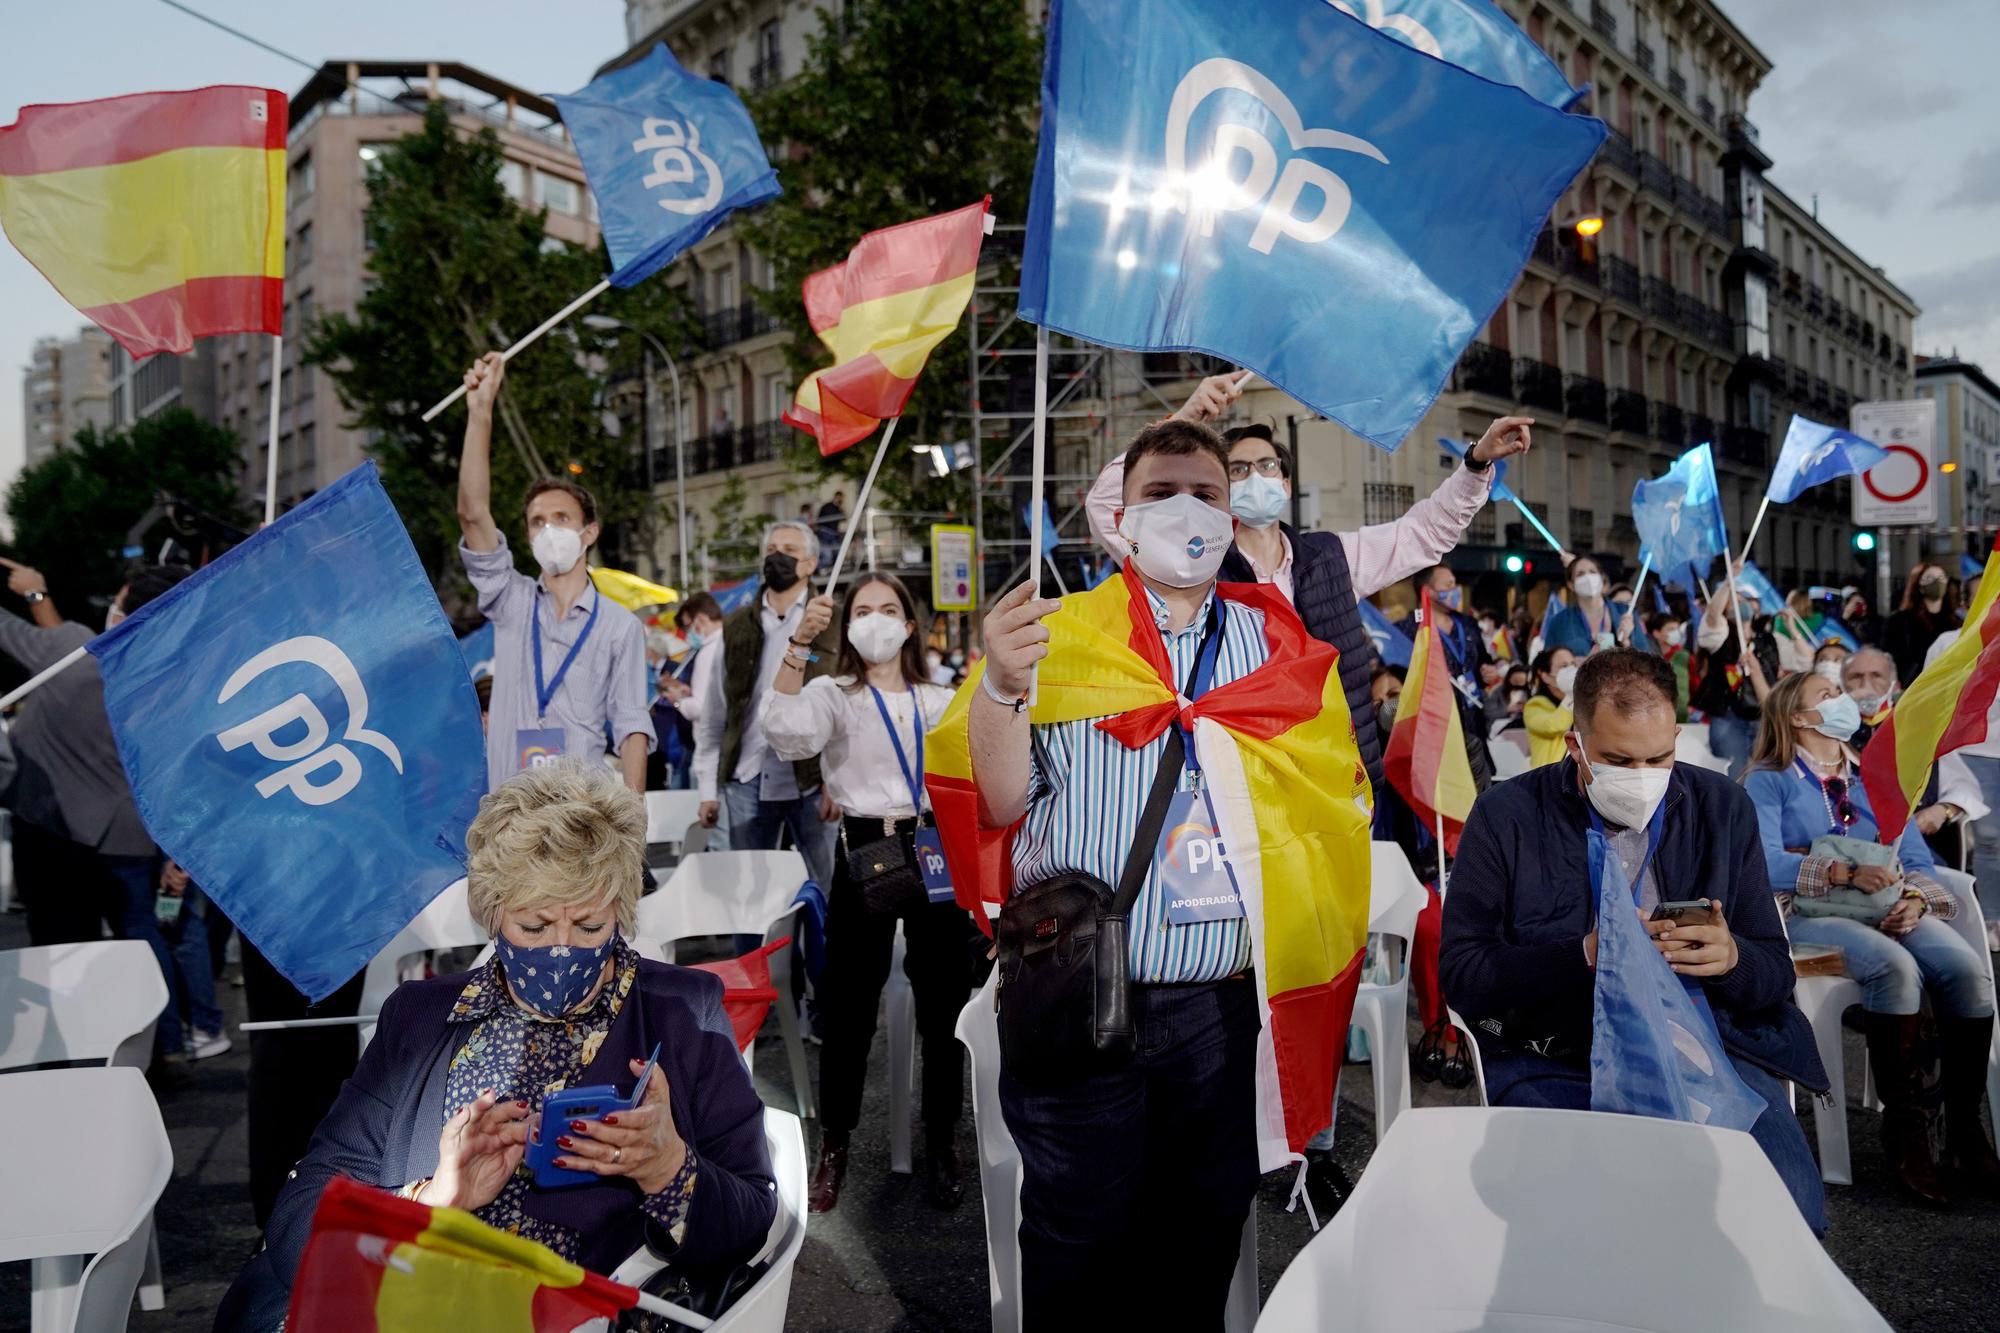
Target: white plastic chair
901	1007
1510	753
445	923
738	893
81	1219
1469	1044
761	1307
668	815
1513	1219
1000	1183
1692	747
1395	899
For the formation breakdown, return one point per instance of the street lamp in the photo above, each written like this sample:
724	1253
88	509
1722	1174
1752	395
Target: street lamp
680	444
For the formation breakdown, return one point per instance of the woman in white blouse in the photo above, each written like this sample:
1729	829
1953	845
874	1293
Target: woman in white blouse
866	723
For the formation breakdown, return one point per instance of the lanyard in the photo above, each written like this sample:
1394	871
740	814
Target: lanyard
1202	675
545	693
916	725
1833	824
1653	831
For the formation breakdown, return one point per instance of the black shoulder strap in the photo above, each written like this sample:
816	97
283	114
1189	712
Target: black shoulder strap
1146	839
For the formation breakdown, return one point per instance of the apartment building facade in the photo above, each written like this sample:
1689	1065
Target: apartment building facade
1968	440
65	387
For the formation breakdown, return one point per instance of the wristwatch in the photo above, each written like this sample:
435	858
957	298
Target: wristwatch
1473	464
35	598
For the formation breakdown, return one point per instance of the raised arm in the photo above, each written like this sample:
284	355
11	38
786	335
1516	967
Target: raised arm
475	460
26	583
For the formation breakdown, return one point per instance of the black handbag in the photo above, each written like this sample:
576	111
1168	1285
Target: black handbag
885	871
1064	990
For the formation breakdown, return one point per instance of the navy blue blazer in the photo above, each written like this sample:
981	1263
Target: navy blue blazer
383	1130
1520	903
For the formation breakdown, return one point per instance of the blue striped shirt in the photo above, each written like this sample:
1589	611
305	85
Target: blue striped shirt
1086	792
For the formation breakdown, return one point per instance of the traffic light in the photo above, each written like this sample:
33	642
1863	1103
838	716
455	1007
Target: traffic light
1515	563
1864	546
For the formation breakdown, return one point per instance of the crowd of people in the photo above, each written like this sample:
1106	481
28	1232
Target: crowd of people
802	718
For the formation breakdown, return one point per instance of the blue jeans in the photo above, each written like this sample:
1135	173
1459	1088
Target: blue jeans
1528	1079
1731	738
755	825
134	880
1148	1169
196	963
1893	972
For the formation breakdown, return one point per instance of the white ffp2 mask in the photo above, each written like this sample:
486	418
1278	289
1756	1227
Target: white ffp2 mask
556	548
1625	796
1180	541
877	637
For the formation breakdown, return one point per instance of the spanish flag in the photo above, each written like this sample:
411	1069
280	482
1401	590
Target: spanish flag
1944	708
379	1262
1278	750
160	216
900	293
1425	760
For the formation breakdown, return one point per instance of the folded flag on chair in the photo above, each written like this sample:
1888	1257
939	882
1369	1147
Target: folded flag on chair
1279	754
747	994
376	1263
1944	709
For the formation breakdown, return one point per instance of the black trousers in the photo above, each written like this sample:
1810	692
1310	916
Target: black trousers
64	887
294	1076
1136	1183
938	960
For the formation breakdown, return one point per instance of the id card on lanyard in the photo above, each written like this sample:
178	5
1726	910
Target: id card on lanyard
1192	863
930	850
540	745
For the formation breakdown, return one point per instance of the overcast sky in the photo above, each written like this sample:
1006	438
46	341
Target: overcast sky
1889	113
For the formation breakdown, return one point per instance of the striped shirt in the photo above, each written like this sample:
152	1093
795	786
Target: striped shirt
1086	792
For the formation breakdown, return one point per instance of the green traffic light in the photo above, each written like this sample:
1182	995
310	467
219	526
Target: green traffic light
1864	541
1515	564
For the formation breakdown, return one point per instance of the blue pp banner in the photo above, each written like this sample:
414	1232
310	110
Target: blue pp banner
300	732
1475	36
1654	1049
1813	453
1391	644
1755	583
669	155
1679	515
1287	188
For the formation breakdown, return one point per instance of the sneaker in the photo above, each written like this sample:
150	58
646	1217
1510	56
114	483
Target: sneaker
201	1045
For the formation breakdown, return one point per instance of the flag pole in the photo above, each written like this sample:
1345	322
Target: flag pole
1645	568
669	1310
1755	524
861	503
547	324
42	677
1037	504
271	459
1439	815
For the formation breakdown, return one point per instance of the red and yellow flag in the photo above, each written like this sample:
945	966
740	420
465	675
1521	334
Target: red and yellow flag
1278	749
161	216
382	1263
1944	709
900	293
1425	760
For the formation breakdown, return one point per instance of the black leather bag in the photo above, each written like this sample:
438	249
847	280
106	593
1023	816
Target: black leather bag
885	871
1065	988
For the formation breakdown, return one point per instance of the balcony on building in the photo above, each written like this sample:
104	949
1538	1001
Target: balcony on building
1621	279
1659	299
1815	299
1743	141
1677	84
1705	108
1801	382
1700	430
1655	174
1748	445
1583	397
1668	426
1484	368
1545	247
764	73
1385	502
1538	384
1602	19
1628	411
1576	264
1616	151
1642	56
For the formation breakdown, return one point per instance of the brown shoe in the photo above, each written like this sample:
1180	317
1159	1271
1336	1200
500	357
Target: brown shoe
1892	1049
823	1194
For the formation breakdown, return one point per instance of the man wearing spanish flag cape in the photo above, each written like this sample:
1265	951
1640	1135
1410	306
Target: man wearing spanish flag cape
1245	940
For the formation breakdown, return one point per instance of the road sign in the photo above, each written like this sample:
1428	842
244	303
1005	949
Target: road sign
1901	489
954	586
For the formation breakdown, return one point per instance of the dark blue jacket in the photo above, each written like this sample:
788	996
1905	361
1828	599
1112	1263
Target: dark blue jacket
383	1130
1520	903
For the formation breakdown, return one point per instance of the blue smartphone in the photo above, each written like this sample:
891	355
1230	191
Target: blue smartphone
586	1103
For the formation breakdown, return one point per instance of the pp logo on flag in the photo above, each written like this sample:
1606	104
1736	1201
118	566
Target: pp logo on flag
307	753
1213	188
677	155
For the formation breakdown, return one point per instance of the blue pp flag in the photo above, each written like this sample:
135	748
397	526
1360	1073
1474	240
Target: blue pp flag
1285	187
479	648
669	155
1679	515
1755	583
1391	644
1475	36
1654	1049
1813	453
300	733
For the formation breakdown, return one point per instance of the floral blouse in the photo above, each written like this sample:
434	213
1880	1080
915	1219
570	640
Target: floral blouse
523	1057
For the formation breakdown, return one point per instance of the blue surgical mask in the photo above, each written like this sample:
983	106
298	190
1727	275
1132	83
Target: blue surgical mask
1448	599
694	638
552	979
1258	500
1839	717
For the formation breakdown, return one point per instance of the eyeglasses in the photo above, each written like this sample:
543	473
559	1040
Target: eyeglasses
1843	809
1266	467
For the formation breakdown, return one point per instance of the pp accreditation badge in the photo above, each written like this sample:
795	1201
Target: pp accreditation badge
1194	868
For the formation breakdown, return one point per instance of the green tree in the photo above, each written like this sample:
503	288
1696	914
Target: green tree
73	511
902	110
458	268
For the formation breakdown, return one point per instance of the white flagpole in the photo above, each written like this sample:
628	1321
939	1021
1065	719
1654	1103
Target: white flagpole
1440	837
1036	482
854	517
1755	524
547	324
271	461
42	677
1632	611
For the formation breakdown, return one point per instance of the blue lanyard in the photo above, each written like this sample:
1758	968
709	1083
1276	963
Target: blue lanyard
1653	832
902	761
545	693
1204	673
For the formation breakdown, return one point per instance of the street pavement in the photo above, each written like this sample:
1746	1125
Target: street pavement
885	1260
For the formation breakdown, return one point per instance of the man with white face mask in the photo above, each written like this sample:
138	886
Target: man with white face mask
1518	955
567	663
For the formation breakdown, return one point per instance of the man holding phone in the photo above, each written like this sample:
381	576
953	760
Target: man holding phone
1518	954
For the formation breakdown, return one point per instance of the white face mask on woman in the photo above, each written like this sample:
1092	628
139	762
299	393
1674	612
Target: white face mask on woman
1178	541
1589	585
878	637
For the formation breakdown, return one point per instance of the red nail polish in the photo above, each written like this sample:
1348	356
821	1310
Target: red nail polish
611	1120
579	1127
564	1143
522	1105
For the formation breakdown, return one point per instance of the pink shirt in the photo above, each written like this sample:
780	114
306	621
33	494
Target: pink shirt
1377	556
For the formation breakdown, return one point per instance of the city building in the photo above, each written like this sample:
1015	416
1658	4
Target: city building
66	386
1968	439
141	389
341	119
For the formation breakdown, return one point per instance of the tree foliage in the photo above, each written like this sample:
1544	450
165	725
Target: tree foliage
904	108
73	511
458	268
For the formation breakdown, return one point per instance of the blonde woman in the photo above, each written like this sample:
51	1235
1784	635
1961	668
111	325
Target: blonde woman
446	1094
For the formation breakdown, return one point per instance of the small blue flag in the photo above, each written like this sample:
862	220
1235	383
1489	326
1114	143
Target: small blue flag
669	155
1500	492
479	648
1754	584
1679	515
1391	644
1654	1049
1050	541
1475	36
1833	631
1285	187
300	732
1550	612
1970	570
731	596
1813	453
